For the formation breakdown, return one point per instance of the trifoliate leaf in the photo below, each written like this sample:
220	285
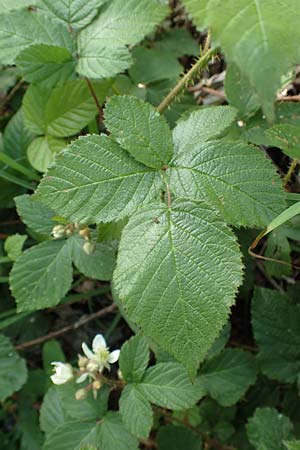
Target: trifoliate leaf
95	180
227	376
41	152
177	273
35	215
13	372
102	45
276	330
20	29
168	385
14	244
136	411
113	435
46	65
267	429
134	358
220	174
140	129
76	14
72	435
250	33
196	10
47	269
178	438
99	264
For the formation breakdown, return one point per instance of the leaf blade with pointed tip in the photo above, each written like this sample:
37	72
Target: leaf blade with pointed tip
136	411
175	281
102	180
140	130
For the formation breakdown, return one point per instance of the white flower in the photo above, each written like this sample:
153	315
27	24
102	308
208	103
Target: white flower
63	372
100	355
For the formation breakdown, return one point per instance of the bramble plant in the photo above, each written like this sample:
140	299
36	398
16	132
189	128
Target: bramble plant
150	205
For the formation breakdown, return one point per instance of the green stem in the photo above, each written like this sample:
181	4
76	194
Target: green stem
18	167
198	66
9	177
291	170
5	260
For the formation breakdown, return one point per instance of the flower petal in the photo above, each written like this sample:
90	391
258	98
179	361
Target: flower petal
99	343
82	378
113	356
88	353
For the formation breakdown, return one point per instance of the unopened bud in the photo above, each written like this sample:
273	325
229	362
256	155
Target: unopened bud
85	233
82	361
120	375
97	384
58	231
88	247
80	394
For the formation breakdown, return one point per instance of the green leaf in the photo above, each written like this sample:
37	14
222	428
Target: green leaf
161	65
227	376
98	265
47	270
113	435
168	385
41	152
178	42
222	174
15	4
102	45
140	130
34	107
35	215
76	14
134	358
178	438
16	138
250	33
71	107
268	428
176	283
52	414
196	10
202	125
95	180
20	29
239	92
46	65
275	323
13	372
219	343
136	411
87	409
292	445
71	436
287	137
14	244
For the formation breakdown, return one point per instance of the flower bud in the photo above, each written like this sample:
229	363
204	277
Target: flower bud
85	233
80	394
88	247
58	231
82	362
97	384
